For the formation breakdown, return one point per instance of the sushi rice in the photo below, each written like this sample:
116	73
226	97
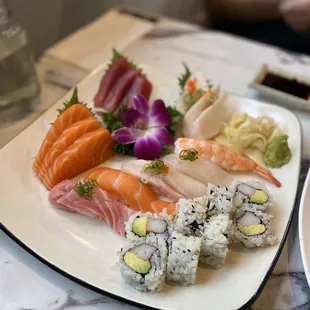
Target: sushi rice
183	258
190	217
253	218
218	201
154	280
215	241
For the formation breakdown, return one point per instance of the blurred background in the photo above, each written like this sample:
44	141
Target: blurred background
47	22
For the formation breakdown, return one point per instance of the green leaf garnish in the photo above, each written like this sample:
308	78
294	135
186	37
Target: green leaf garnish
184	77
190	154
86	188
123	149
155	167
176	118
74	100
113	121
166	150
117	56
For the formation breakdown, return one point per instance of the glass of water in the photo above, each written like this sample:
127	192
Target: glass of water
19	86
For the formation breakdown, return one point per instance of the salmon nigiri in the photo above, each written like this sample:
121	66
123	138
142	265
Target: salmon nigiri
85	153
130	190
224	157
67	138
70	116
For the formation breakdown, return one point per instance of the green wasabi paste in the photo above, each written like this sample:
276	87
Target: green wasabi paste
278	152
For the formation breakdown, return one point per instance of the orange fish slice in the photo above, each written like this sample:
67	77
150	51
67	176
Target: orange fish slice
74	114
85	153
130	190
67	138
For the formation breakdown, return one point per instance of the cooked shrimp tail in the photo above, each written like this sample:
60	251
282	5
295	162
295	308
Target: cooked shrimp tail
264	173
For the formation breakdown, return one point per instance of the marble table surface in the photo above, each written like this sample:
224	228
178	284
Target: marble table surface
27	284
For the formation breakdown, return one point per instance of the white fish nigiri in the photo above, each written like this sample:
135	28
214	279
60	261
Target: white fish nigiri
172	184
203	171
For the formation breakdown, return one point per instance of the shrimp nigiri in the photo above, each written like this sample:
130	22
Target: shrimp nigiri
224	157
130	190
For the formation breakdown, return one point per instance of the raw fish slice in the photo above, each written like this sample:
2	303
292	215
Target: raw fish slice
85	153
202	170
109	79
208	124
195	111
224	157
70	116
67	138
130	190
175	185
119	90
101	205
140	86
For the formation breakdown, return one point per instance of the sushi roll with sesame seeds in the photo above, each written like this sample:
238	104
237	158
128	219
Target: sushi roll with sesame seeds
141	225
183	258
252	227
253	193
217	201
214	241
143	264
190	217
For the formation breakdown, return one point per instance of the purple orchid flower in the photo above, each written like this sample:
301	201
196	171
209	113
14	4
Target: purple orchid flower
146	127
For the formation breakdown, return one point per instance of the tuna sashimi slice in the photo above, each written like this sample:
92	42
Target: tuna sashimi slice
72	115
85	153
102	205
109	79
119	90
67	138
140	86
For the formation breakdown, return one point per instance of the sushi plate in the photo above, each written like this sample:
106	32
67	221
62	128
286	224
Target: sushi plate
304	215
85	249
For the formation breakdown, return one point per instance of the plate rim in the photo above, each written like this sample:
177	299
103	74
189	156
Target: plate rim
96	289
300	226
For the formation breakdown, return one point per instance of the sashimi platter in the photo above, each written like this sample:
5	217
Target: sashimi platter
161	191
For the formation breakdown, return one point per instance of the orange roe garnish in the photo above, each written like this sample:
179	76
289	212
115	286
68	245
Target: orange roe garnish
191	86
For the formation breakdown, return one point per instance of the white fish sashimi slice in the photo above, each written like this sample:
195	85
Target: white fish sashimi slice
195	111
187	186
201	170
175	185
208	124
143	251
248	219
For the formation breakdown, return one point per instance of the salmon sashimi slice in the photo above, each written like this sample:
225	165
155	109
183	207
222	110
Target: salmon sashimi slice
223	157
65	140
85	153
101	205
130	190
70	116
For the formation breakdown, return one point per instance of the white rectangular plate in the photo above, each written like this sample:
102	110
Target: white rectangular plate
85	249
